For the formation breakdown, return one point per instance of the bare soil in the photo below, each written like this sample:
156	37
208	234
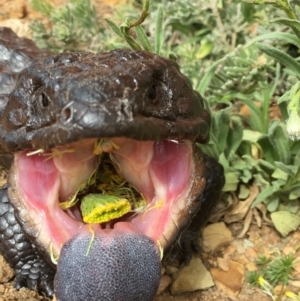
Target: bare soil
231	283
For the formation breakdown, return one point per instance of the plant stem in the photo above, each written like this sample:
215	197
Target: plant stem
281	4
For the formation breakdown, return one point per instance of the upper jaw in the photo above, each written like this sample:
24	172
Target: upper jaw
169	174
69	97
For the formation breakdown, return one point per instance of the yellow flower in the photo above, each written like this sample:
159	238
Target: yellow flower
292	296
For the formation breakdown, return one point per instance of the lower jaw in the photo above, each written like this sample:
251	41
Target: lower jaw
50	227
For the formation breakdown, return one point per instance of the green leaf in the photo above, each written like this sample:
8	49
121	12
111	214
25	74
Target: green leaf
141	35
248	11
210	149
291	170
256	118
295	193
235	136
293	24
260	180
266	164
115	28
273	205
251	162
243	192
285	97
246	176
231	181
220	128
251	136
124	27
204	50
264	194
295	148
159	30
279	140
281	57
207	78
282	36
291	205
279	174
285	222
120	45
269	152
223	160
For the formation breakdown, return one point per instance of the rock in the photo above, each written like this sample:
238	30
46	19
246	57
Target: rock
171	270
20	27
13	9
229	281
223	263
6	272
192	277
164	283
216	236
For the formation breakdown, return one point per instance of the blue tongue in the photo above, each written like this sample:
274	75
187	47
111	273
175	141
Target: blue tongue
118	267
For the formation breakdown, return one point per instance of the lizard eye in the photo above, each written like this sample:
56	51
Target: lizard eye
151	94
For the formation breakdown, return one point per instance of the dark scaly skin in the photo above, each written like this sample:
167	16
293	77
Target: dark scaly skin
39	117
31	269
15	55
59	100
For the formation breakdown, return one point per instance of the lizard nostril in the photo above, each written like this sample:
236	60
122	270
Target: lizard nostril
66	114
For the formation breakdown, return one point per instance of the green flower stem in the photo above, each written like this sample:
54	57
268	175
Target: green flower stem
145	13
284	5
281	4
127	25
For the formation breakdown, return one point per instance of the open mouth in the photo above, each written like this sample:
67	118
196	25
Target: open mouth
57	189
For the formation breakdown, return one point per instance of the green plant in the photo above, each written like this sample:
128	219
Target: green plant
247	77
73	27
234	136
271	272
292	96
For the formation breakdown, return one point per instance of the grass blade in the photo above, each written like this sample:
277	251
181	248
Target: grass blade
159	30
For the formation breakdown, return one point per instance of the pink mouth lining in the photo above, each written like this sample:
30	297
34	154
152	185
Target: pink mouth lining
159	170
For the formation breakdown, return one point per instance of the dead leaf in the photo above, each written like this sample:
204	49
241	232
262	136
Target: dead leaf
247	223
257	217
240	210
262	208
